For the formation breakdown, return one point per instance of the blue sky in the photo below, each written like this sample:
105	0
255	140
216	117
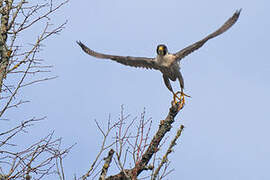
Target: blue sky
227	118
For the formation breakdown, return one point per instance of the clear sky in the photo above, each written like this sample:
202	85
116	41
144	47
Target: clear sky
227	119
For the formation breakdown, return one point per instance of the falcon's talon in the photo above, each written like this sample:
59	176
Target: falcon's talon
181	99
175	97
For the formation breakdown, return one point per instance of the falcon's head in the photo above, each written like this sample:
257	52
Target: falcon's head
162	50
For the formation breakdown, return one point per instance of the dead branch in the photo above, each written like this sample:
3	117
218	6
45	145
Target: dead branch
103	147
142	163
106	165
19	59
18	17
37	159
169	150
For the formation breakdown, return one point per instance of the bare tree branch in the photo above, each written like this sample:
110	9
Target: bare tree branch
169	150
44	157
142	151
106	165
102	148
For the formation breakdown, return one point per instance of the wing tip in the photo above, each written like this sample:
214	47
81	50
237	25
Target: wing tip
80	43
84	47
237	13
232	20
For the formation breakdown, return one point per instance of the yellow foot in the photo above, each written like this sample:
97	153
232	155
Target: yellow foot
181	99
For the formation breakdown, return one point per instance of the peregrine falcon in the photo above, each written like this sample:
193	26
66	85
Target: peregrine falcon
165	62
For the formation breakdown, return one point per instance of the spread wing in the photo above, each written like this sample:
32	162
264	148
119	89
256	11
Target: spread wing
126	60
186	51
